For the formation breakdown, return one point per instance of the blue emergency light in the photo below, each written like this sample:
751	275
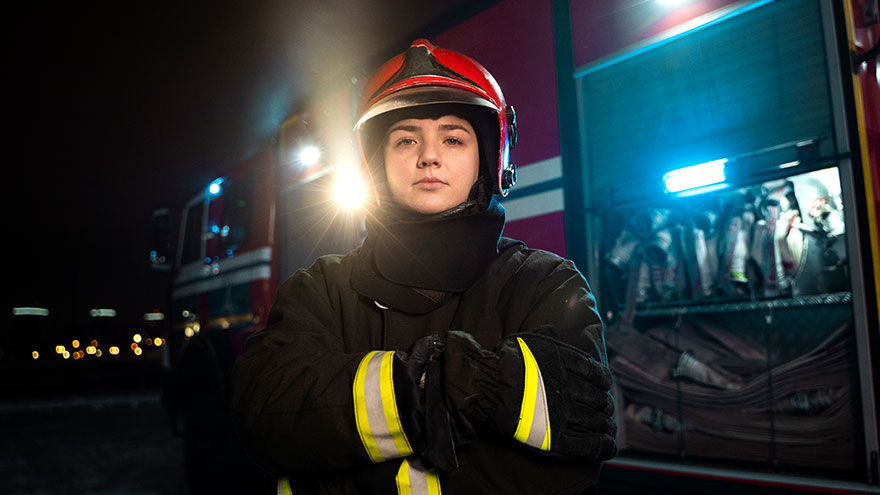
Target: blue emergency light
214	187
696	179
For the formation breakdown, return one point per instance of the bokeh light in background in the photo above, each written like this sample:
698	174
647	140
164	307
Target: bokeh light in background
309	156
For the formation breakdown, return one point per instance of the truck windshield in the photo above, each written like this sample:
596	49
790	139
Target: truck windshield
236	213
192	236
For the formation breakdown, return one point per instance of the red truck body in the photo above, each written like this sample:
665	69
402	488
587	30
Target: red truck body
274	214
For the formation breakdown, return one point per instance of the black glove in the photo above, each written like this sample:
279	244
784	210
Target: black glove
418	385
543	392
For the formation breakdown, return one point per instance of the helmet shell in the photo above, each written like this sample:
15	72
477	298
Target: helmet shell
425	75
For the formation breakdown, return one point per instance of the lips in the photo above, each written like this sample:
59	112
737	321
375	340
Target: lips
429	183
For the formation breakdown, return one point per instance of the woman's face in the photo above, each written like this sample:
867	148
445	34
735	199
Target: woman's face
431	165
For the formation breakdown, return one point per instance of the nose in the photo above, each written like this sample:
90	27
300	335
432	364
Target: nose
428	156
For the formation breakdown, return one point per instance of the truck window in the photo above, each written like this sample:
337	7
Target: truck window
192	236
162	243
237	213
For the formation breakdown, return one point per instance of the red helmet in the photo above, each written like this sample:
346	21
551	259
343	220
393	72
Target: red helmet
427	75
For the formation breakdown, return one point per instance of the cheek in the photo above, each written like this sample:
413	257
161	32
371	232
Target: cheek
392	168
395	176
473	166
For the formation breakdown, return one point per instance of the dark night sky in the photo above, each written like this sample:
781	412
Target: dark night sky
116	110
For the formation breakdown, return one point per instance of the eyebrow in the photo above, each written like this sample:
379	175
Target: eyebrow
415	128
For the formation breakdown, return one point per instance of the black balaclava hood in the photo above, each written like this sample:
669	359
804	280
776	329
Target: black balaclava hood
413	261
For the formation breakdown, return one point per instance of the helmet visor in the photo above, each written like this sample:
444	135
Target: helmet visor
423	95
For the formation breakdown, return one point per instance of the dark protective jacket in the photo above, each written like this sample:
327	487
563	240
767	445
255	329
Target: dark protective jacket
295	390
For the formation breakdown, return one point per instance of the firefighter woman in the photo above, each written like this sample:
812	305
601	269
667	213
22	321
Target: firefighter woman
439	357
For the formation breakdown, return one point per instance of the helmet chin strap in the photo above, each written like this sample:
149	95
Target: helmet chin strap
481	192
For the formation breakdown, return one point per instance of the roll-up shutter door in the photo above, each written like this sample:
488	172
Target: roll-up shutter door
750	82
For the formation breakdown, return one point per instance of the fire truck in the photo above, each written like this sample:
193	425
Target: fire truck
710	165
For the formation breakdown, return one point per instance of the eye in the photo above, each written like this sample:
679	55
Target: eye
453	141
405	141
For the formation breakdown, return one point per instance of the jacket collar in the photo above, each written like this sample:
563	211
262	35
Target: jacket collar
415	262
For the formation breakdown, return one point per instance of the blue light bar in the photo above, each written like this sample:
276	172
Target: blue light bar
696	178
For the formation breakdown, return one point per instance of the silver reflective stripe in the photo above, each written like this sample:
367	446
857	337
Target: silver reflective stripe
541	420
375	411
376	416
413	479
533	428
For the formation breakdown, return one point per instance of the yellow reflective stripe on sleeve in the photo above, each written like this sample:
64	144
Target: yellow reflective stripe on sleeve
402	479
533	427
376	417
284	486
413	479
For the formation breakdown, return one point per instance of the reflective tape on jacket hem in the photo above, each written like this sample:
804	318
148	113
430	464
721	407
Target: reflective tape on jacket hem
284	486
413	479
533	427
375	406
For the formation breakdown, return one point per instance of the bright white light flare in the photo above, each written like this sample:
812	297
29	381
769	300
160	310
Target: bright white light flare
309	155
349	189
